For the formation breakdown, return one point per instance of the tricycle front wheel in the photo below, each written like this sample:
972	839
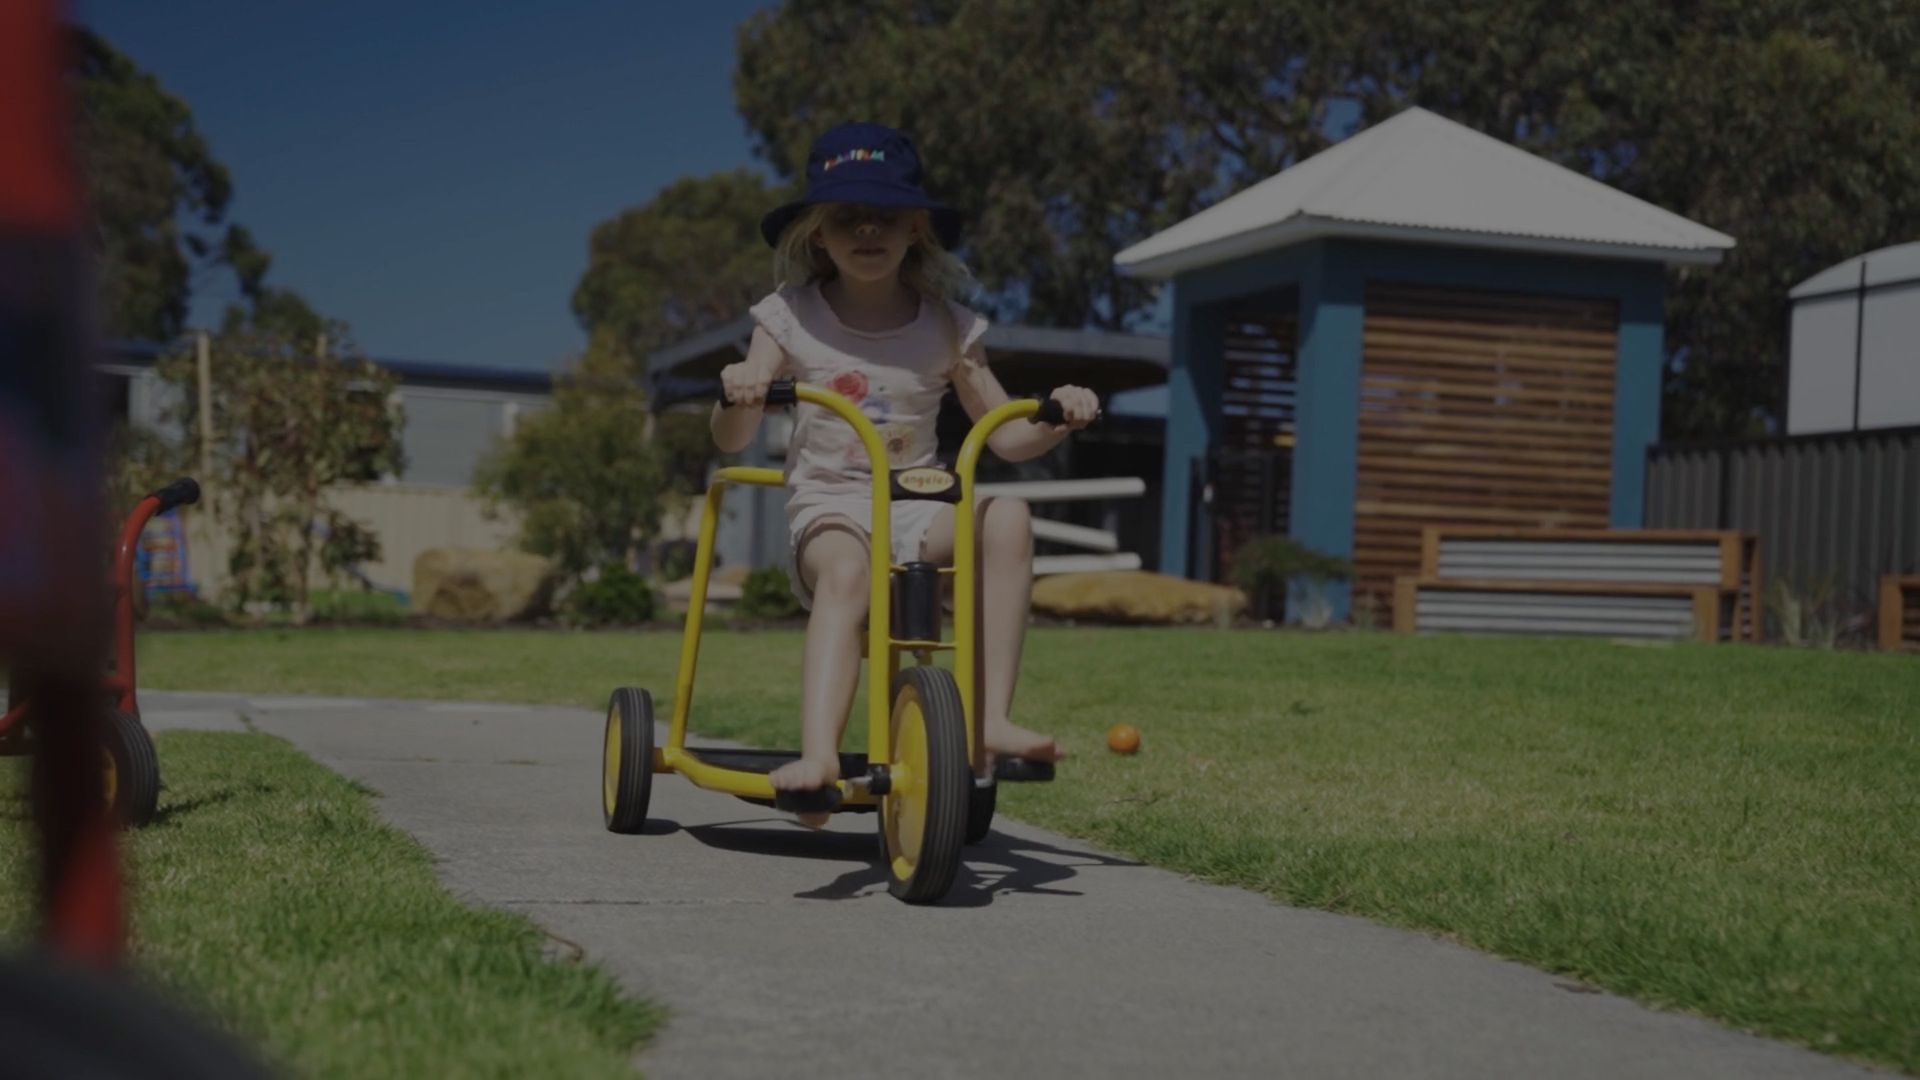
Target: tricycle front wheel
923	817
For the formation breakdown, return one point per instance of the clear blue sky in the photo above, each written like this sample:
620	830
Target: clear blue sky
430	173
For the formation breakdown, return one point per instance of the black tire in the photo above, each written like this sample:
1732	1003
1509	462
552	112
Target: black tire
980	806
626	764
923	872
136	770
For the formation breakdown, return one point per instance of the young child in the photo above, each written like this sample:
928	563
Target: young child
868	309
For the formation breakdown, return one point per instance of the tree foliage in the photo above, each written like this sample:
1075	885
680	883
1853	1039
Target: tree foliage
588	486
688	260
1057	127
1072	128
289	426
157	194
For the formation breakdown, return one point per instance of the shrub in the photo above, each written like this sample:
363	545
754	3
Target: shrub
1806	615
1269	566
618	596
673	560
588	486
183	607
768	594
355	605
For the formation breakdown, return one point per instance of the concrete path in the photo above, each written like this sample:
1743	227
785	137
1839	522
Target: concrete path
779	952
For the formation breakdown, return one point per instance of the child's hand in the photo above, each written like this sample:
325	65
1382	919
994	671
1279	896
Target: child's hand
1079	405
744	383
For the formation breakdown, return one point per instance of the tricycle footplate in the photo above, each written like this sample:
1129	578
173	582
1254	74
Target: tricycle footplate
765	761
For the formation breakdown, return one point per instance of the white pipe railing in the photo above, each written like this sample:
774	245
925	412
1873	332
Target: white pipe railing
1098	487
1104	541
1079	536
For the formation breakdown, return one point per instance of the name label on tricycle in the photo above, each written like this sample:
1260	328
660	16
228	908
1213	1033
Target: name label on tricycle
926	482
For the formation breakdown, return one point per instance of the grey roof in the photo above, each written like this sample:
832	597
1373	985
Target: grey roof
1024	357
411	372
1887	266
732	336
1423	178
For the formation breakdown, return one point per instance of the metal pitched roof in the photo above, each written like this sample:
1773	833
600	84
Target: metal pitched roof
1888	266
1421	177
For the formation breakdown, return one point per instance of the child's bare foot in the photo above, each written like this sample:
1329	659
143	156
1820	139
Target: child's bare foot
807	774
1006	739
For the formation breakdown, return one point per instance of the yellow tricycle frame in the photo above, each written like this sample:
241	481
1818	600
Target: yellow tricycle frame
880	642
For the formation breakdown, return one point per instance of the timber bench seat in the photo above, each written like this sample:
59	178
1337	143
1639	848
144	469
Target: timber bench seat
1618	582
1900	612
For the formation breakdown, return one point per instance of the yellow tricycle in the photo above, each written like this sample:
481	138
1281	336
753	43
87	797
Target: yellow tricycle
925	770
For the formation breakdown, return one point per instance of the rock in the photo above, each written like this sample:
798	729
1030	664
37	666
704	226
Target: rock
470	585
724	587
1136	596
720	594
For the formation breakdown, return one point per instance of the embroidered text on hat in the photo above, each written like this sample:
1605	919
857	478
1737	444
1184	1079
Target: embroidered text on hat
855	155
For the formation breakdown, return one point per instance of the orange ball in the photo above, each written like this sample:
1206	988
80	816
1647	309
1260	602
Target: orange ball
1123	738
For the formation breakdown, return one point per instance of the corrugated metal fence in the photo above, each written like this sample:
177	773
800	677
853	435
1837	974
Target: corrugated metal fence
1841	509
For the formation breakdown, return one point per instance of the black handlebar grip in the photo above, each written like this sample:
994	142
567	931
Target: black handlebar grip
1052	412
182	492
779	392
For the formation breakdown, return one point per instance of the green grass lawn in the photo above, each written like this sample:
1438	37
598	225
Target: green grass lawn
270	896
1728	830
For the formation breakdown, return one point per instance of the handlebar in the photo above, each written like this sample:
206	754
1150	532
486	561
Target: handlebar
779	392
782	392
182	492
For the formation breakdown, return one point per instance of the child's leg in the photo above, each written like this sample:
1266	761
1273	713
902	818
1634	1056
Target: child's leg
1003	590
833	566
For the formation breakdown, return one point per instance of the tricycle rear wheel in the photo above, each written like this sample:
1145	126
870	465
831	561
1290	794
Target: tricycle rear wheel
626	764
132	771
981	802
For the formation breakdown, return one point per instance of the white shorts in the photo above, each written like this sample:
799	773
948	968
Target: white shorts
911	520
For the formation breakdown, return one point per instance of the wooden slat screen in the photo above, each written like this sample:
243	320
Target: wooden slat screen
1478	408
1900	612
1252	466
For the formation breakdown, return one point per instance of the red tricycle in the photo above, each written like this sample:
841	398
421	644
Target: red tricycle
132	767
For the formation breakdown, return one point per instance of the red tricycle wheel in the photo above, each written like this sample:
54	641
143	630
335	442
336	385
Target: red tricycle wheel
133	771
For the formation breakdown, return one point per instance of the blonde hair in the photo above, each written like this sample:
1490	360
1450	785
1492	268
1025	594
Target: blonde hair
929	269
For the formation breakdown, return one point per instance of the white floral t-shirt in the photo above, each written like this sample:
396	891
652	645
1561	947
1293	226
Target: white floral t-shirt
896	377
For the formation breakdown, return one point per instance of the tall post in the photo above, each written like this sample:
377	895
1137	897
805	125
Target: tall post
203	349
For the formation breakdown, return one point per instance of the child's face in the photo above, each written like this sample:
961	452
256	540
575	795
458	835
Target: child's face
868	243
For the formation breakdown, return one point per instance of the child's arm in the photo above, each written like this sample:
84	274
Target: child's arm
980	393
745	384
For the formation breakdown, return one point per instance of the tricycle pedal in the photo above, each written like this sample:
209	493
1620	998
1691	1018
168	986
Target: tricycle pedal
818	801
1022	771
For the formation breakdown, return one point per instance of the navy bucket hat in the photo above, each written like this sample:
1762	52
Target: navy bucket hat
869	165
